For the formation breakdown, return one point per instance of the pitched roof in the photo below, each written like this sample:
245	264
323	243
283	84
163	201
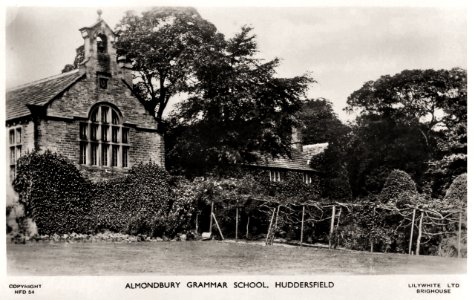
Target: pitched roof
37	93
314	149
300	161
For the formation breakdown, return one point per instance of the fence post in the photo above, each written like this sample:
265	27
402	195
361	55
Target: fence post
301	226
331	226
412	230
418	246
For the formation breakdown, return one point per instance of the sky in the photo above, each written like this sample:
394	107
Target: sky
341	47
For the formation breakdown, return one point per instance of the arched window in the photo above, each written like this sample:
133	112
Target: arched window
104	141
101	41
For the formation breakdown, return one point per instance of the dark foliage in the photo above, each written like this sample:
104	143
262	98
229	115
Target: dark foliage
53	193
138	203
414	121
238	109
399	189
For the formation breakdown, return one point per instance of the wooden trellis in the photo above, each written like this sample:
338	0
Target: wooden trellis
409	213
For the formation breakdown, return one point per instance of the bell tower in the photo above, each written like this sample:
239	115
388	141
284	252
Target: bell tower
100	55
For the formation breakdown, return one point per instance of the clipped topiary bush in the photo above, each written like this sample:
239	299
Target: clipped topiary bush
399	189
457	193
138	203
53	193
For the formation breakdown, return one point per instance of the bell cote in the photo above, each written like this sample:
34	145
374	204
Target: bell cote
99	51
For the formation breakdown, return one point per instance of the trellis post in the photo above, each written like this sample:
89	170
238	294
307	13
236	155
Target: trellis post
412	230
275	225
211	217
237	222
418	246
331	226
301	226
217	225
196	222
247	227
270	225
459	235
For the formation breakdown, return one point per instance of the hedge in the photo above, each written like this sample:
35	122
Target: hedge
59	199
137	203
53	193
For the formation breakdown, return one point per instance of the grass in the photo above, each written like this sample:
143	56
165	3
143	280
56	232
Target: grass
212	258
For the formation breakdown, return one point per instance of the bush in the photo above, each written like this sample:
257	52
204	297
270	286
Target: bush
146	201
399	189
53	193
457	193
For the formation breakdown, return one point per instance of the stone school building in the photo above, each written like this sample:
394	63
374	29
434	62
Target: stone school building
88	115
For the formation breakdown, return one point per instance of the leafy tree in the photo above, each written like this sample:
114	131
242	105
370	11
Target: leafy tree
434	99
79	58
321	124
239	108
379	145
163	45
333	173
414	121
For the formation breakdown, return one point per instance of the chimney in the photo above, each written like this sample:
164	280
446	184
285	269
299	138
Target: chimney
296	139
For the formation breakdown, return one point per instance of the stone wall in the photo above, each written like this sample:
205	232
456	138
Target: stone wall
59	131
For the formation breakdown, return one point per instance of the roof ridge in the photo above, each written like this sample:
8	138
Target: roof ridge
42	80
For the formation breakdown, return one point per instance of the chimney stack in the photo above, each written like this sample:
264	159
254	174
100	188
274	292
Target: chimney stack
296	139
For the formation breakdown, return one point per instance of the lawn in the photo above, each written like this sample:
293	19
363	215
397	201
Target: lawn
212	258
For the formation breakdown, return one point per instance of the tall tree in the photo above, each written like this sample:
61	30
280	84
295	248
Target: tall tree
163	45
321	124
394	109
239	108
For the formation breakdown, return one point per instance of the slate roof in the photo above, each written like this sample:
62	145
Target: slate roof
299	162
37	93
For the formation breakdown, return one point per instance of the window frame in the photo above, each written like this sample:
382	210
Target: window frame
15	144
307	178
275	176
97	146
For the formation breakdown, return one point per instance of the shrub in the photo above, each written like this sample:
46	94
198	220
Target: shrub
457	193
399	189
137	203
185	206
53	193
